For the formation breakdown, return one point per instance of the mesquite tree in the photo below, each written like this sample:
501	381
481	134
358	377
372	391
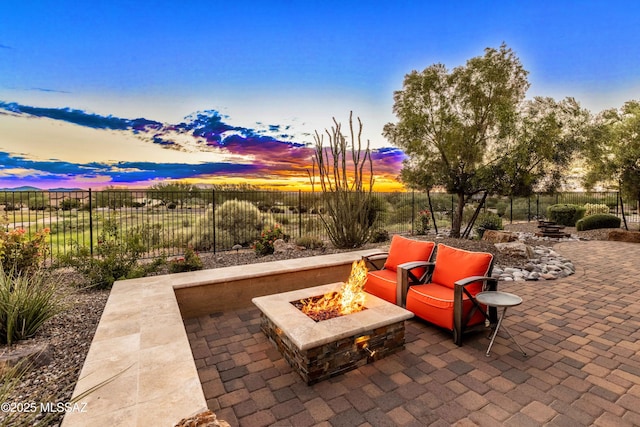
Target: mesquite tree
449	122
345	176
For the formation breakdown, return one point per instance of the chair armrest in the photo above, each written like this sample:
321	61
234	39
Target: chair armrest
371	259
405	276
416	264
490	281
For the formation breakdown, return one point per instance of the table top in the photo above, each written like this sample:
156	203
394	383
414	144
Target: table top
498	299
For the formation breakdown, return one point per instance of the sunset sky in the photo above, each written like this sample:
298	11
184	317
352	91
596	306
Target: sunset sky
274	72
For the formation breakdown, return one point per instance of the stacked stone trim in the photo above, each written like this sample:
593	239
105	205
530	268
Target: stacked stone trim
334	358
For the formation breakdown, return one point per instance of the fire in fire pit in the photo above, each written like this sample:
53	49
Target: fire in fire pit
349	299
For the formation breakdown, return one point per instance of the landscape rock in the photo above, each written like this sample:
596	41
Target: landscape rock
517	249
624	236
203	419
25	353
280	246
496	236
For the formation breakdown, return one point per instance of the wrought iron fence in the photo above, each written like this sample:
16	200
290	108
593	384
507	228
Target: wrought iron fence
208	220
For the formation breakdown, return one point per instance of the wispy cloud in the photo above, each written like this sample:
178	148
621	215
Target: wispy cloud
19	167
41	89
4	46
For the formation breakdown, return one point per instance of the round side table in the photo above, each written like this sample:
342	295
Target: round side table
504	300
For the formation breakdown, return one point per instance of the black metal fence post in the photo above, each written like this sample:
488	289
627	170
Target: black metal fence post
413	211
213	212
299	213
511	210
452	208
90	225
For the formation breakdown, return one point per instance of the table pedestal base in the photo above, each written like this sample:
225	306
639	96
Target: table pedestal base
493	337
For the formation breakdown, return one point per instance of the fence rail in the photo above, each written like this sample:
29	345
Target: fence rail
209	220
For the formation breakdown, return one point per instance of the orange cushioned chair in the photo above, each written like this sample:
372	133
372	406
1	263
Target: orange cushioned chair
448	299
383	282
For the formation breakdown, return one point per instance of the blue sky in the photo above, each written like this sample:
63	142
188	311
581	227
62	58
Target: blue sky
300	62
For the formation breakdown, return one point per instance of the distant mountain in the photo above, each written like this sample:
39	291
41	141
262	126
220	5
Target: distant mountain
23	188
65	189
29	188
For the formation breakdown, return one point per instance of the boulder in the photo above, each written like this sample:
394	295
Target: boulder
280	246
624	236
23	354
203	419
516	249
497	236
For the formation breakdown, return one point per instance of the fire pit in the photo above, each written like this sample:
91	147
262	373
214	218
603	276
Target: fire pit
321	349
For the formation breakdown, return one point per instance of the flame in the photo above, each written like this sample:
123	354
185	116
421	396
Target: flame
349	299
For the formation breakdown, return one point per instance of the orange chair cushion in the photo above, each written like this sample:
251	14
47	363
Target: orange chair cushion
434	303
382	283
406	250
454	264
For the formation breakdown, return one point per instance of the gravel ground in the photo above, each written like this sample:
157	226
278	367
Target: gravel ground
69	334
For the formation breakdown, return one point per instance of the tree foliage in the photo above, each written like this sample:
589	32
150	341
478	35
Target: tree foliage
177	193
539	150
451	123
613	150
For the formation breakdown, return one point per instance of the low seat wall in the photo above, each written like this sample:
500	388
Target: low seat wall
231	288
140	358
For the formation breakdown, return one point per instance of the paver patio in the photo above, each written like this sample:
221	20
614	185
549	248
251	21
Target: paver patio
582	335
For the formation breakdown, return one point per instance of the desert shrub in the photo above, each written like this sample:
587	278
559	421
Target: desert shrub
379	236
377	210
467	213
190	261
565	214
487	221
241	219
423	222
151	234
282	219
27	301
200	237
310	242
501	208
236	222
599	220
264	206
264	244
68	204
312	225
37	203
21	253
116	257
401	214
595	208
204	241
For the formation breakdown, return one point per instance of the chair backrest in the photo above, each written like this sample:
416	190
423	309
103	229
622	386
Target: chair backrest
453	264
406	250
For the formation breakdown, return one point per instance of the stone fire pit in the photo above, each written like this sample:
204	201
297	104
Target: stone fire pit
319	350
